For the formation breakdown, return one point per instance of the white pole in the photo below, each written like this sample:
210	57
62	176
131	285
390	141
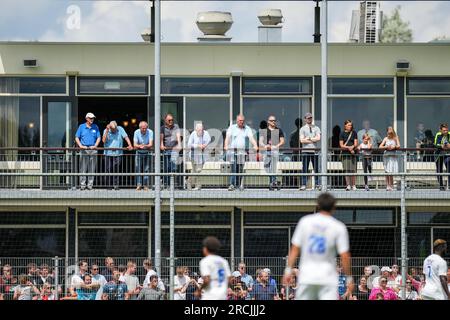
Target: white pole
157	33
324	100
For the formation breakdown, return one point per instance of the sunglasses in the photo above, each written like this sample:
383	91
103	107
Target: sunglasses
94	269
272	120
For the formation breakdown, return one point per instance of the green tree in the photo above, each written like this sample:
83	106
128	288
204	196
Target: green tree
394	29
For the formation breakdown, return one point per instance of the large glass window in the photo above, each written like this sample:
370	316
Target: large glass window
195	85
373	242
276	86
32	242
429	86
117	242
19	122
214	113
93	85
360	86
21	218
427	218
424	115
47	85
197	218
378	112
113	218
286	110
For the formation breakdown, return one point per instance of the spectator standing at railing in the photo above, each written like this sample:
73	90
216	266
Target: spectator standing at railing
151	292
373	134
143	142
271	140
348	142
288	292
44	277
197	144
148	266
107	270
113	137
419	137
98	278
410	294
7	282
132	281
87	139
237	289
363	290
115	289
442	143
388	293
246	278
390	145
33	272
88	289
236	142
181	281
395	278
192	287
263	290
77	279
170	147
385	272
310	139
26	290
365	148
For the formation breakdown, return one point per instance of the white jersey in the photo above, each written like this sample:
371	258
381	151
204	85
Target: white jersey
320	237
434	267
218	270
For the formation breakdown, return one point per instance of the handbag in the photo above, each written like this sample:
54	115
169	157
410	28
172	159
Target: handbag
345	144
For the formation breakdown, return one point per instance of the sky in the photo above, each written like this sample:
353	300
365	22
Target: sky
123	21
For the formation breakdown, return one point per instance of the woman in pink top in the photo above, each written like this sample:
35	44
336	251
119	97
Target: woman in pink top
387	293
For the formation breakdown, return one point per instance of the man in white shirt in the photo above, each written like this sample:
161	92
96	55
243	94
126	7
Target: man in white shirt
235	146
148	266
215	271
132	281
197	144
310	139
435	270
181	280
320	237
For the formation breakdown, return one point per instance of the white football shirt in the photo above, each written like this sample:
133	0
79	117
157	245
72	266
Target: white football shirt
320	237
433	267
218	270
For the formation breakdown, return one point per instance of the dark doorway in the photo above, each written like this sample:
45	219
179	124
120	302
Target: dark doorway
127	112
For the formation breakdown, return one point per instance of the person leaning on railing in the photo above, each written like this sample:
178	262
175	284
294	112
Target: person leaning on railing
348	142
441	142
197	144
87	138
112	138
390	145
143	142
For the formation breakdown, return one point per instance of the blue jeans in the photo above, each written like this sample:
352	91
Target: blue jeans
237	166
306	159
270	164
169	164
142	165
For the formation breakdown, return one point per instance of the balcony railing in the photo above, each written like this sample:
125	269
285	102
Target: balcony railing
64	168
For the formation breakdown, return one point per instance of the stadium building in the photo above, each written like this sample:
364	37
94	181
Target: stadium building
47	88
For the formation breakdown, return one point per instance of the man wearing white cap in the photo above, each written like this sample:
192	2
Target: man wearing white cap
87	138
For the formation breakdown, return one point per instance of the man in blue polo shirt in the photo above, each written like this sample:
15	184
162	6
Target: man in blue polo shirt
88	139
113	137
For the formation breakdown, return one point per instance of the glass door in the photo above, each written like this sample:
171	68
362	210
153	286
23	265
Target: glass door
57	135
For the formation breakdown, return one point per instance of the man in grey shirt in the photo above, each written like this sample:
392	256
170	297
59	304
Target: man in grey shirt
310	138
151	292
170	146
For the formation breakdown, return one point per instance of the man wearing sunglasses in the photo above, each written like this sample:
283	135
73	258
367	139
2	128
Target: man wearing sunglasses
170	146
98	278
270	141
310	139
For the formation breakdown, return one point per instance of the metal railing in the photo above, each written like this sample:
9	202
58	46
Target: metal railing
72	168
